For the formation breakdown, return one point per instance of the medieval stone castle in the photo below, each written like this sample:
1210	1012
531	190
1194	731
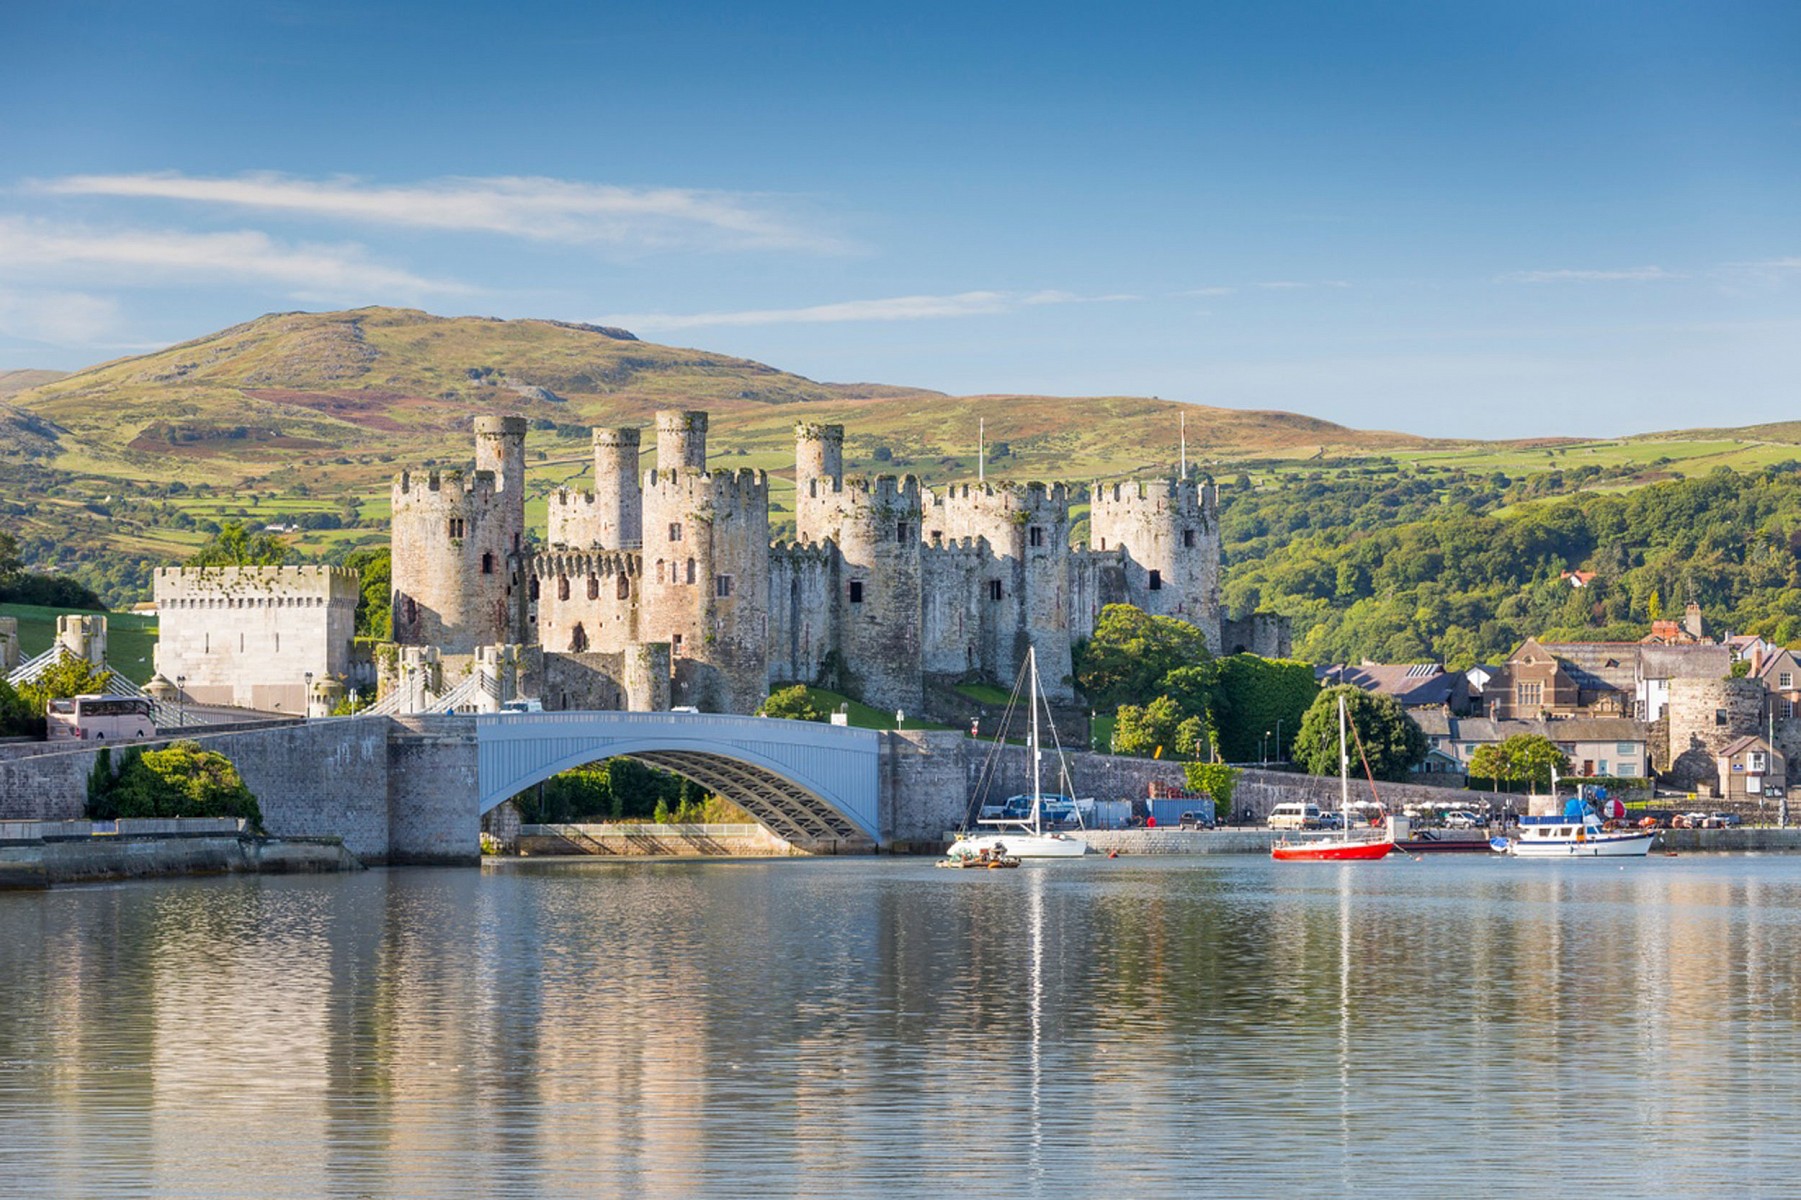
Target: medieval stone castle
671	573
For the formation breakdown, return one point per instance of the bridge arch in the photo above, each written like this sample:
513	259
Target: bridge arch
808	783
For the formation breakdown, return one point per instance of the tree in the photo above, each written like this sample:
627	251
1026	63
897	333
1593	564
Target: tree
792	704
11	564
374	609
67	676
1130	653
1522	758
1217	779
1393	744
181	780
17	717
235	546
1146	729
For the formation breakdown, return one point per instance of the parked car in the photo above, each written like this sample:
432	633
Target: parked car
1463	818
1331	820
1197	819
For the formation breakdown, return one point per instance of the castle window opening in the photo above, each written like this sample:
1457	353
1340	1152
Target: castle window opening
531	591
515	540
456	528
994	589
487	562
1188	539
675	645
722	586
1103	543
937	537
578	639
593	587
412	605
1719	716
1156	581
562	587
675	531
856	591
690	570
206	643
659	570
902	531
1036	535
624	587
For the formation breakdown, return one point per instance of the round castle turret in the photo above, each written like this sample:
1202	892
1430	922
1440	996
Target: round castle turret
1168	533
456	542
706	570
611	517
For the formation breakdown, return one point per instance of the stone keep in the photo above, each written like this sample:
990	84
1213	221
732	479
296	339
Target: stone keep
611	517
249	636
458	547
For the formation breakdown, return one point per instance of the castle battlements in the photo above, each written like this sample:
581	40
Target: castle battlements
578	563
744	487
1186	495
235	587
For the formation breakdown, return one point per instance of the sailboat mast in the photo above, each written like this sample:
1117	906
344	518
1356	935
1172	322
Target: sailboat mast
981	449
1032	697
1344	772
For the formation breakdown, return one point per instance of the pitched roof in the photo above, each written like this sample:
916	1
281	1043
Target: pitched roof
1598	666
1739	745
1566	729
1684	662
1413	685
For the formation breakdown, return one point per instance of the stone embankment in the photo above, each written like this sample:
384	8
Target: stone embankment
41	854
652	841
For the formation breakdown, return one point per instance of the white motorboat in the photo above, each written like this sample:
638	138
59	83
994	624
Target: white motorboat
1024	836
1576	833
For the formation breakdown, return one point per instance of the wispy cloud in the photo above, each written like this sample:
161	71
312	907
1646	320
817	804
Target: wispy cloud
148	257
893	308
57	317
1626	275
1290	285
530	207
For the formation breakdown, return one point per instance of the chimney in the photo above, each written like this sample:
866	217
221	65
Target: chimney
1691	620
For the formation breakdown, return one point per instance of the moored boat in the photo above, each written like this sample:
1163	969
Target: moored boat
1579	835
1022	836
1345	848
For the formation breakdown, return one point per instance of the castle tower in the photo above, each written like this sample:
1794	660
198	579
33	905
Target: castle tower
618	492
457	542
705	570
681	440
1168	533
1022	583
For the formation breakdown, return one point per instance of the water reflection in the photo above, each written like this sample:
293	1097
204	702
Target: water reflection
822	1028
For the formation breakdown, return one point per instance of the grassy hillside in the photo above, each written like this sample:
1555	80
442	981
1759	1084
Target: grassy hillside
304	418
13	382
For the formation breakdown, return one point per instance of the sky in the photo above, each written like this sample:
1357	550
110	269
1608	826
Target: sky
1460	218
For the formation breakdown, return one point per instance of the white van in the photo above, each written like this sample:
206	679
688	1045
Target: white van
1294	816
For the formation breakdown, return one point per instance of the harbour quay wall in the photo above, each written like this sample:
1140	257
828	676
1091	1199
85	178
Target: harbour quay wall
653	841
95	859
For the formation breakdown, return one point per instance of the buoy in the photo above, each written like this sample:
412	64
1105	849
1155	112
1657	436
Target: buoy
1112	854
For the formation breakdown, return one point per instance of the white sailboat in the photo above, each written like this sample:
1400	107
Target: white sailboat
1023	837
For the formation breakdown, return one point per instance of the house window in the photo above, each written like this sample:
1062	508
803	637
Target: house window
1788	709
1036	534
1628	770
456	527
1626	748
593	587
1528	695
994	589
1759	762
675	531
1785	680
562	587
1156	581
487	562
722	586
902	531
690	570
856	591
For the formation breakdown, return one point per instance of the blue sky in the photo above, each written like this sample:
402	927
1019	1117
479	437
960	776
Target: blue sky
1453	218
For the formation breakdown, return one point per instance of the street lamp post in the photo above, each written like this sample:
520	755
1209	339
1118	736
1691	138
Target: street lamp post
1278	739
306	703
1263	748
181	700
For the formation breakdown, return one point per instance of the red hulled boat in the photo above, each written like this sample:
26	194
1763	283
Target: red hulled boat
1343	849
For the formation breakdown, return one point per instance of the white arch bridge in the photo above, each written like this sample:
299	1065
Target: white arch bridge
810	784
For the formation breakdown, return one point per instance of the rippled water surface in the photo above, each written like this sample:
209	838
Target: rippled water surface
1206	1027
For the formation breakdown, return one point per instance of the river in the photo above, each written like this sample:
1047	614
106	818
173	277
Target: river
1148	1027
